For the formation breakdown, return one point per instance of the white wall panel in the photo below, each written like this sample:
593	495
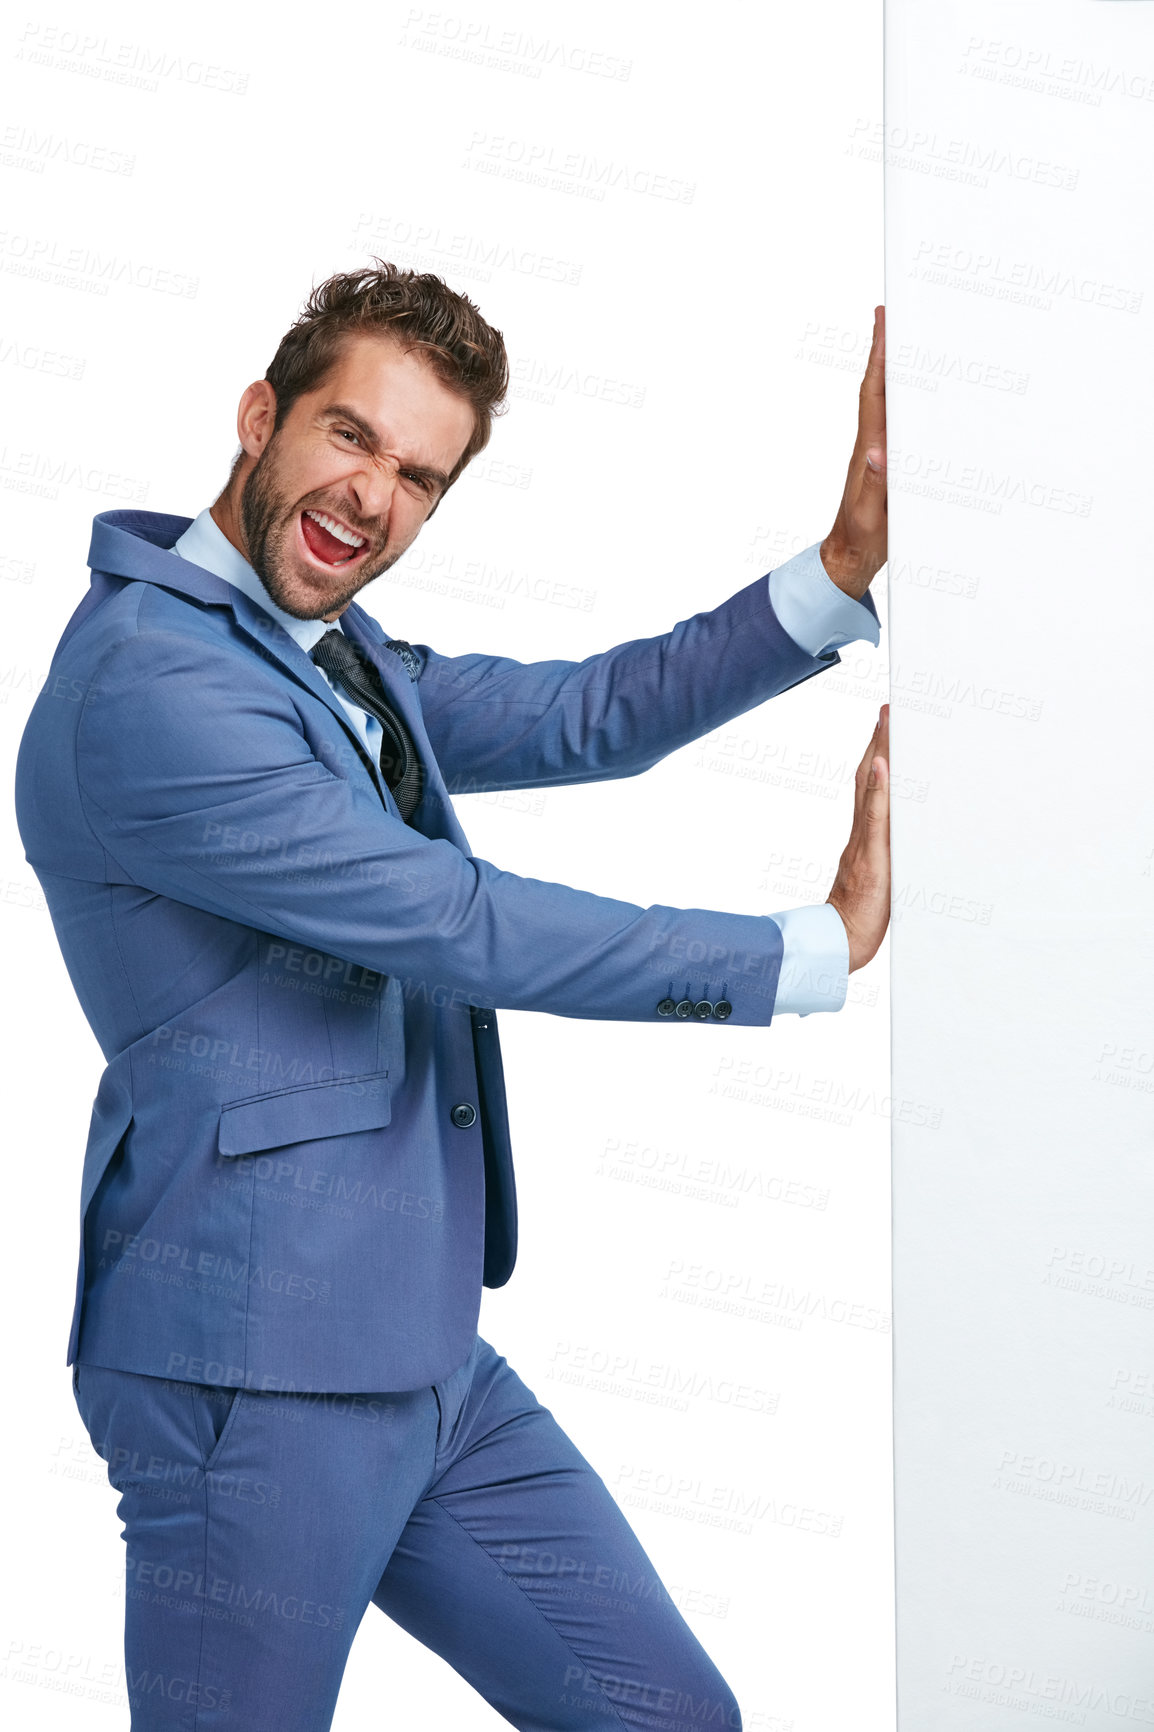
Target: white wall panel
1020	272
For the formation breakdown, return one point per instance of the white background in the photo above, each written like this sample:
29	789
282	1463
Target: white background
686	289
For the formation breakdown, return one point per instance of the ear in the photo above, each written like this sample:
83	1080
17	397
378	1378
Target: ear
256	417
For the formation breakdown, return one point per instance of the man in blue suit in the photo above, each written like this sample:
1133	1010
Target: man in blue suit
235	789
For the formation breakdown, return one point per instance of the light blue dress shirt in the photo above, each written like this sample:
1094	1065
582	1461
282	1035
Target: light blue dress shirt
818	617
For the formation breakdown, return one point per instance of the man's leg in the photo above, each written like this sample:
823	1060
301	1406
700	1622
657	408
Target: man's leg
257	1528
520	1570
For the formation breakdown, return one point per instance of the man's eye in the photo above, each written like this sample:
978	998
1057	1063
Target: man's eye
422	481
347	433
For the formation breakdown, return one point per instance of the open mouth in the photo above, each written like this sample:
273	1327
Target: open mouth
330	542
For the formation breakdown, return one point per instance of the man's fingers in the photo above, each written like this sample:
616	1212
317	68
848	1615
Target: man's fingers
872	396
856	546
872	489
876	805
861	888
877	790
867	755
874	382
878	747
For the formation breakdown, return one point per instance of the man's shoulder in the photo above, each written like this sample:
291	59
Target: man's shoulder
141	649
117	610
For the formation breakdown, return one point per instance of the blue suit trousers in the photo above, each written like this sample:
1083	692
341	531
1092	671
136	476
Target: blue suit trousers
260	1527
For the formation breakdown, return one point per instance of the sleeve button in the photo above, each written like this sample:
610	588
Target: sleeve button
666	1007
702	1009
722	1009
684	1007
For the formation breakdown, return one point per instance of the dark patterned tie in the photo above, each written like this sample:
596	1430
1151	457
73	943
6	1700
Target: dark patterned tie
355	675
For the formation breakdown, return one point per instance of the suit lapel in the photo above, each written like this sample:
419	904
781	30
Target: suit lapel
434	817
276	645
273	643
139	545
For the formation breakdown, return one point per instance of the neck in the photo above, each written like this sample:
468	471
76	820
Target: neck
225	515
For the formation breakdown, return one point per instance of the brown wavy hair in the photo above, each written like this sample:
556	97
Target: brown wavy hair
420	312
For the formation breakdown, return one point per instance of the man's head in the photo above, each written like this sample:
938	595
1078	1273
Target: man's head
375	401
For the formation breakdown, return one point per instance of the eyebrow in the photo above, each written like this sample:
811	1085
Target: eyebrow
341	412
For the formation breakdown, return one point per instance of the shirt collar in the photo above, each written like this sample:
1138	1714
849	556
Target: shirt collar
205	544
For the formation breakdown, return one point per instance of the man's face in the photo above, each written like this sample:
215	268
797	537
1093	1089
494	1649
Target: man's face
339	493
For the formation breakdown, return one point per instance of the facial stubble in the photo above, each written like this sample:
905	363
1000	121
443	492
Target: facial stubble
268	519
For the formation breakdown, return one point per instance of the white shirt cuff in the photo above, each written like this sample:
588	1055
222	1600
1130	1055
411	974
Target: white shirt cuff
817	614
815	960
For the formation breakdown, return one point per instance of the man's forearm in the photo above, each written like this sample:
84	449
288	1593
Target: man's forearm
498	723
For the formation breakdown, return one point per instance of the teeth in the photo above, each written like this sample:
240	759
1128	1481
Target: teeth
337	529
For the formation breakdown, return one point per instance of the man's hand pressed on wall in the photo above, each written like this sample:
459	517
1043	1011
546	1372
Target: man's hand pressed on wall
861	890
854	551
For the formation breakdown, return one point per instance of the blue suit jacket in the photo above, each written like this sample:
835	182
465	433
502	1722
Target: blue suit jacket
293	989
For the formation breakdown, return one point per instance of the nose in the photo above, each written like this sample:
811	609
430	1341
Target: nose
373	487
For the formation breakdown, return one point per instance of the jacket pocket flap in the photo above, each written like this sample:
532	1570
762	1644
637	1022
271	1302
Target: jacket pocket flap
329	1109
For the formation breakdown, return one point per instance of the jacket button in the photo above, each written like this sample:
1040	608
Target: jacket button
703	1008
684	1007
463	1115
722	1009
666	1007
